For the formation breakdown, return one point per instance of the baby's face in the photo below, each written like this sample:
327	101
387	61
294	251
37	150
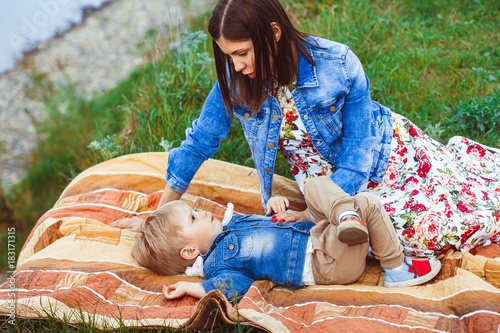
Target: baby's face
199	228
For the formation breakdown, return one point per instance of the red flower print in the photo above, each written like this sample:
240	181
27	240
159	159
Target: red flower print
465	207
424	165
414	192
303	166
409	203
442	197
447	210
486	179
473	182
372	185
476	151
414	132
485	196
468	195
427	225
402	152
408	232
410	182
472	229
308	138
389	209
295	170
418	208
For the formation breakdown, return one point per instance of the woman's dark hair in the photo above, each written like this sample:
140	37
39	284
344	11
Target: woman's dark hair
238	20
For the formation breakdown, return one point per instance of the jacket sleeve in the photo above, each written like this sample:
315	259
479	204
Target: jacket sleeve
230	282
202	142
356	159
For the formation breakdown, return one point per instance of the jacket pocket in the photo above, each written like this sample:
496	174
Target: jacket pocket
330	114
237	247
249	122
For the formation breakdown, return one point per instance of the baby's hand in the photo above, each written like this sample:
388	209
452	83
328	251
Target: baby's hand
131	223
277	204
183	288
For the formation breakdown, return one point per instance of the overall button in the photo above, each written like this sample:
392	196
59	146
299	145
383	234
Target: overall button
247	115
280	224
333	109
302	228
268	192
231	246
271	146
268	170
276	117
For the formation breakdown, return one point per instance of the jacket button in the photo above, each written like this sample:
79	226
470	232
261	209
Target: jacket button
280	224
231	246
268	170
276	117
318	143
333	109
379	174
306	116
330	155
247	115
271	146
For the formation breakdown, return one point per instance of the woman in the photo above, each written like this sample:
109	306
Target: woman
309	98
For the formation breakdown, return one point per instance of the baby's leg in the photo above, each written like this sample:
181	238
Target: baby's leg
337	263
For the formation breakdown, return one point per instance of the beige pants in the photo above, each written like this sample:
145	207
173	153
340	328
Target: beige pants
335	262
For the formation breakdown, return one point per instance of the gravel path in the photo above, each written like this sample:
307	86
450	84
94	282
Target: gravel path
97	54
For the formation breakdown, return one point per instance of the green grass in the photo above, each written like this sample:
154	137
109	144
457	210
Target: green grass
435	62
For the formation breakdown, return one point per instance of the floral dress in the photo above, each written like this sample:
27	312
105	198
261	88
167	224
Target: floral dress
438	197
296	145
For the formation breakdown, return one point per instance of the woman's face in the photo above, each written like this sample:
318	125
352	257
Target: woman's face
241	53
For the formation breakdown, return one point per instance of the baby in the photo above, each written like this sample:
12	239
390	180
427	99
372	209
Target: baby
253	247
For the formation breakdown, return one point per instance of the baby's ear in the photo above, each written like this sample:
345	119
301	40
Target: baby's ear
189	253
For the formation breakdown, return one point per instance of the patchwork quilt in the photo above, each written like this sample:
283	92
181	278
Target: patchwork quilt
75	267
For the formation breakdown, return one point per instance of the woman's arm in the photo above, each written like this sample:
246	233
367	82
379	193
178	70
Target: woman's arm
202	142
168	195
358	142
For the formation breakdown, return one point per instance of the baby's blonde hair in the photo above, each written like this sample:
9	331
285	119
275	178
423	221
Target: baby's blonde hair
160	241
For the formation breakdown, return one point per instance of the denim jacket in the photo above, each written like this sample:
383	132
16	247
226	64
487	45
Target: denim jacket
347	128
252	247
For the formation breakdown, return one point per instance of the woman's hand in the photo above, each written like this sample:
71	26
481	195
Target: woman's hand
168	195
292	216
183	288
130	223
277	204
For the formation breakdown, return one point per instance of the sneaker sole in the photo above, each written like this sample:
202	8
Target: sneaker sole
352	233
435	268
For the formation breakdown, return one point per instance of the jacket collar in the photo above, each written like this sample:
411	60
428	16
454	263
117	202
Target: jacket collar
307	72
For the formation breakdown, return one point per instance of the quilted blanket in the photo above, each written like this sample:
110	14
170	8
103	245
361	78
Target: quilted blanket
75	267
